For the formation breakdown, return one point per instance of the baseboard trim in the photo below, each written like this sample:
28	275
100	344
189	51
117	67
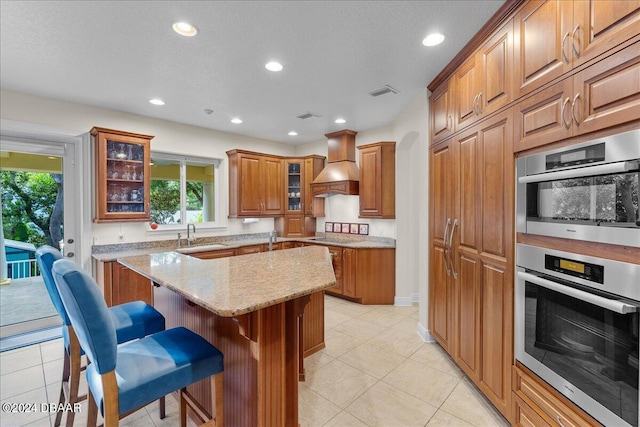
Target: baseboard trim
424	334
403	301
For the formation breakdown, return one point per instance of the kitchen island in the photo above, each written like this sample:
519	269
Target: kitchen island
249	307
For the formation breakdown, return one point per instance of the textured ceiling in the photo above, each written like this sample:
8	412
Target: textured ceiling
120	54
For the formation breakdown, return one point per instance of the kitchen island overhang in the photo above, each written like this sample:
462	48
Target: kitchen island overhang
249	307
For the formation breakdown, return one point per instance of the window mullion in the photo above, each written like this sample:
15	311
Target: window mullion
183	191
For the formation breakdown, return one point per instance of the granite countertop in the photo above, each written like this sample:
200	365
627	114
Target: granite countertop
237	285
113	252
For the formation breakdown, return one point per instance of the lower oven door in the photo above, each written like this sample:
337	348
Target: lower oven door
584	345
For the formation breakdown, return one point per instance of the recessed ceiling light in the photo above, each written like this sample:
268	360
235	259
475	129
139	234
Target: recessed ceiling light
293	133
236	121
185	29
274	66
156	101
340	121
433	39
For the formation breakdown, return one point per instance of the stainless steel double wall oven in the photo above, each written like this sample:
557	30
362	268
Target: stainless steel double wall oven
577	316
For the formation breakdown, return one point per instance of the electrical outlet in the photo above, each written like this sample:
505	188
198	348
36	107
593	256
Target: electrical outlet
120	236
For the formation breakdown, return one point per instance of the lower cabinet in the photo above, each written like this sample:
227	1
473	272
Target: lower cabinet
214	254
121	284
538	404
364	275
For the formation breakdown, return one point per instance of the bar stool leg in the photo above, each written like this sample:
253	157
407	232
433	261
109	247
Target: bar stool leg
65	380
217	393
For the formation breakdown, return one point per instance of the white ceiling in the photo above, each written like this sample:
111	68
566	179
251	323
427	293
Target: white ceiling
120	54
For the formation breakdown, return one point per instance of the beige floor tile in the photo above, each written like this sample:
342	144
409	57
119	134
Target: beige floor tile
333	318
317	360
360	328
22	381
401	310
384	405
421	381
21	358
345	419
172	412
408	325
30	410
382	318
52	350
339	383
444	419
313	409
338	343
434	356
372	359
397	342
330	301
53	371
144	420
353	310
468	404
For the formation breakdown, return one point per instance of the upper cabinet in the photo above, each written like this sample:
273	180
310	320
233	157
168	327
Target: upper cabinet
441	107
122	175
482	84
255	185
377	180
313	206
556	36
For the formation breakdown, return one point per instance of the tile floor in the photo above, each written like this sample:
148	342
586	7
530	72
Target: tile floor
375	371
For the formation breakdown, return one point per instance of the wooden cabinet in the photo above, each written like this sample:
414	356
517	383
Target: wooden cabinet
364	275
442	111
377	180
471	275
122	175
482	84
600	96
301	207
556	36
224	253
121	285
255	185
536	400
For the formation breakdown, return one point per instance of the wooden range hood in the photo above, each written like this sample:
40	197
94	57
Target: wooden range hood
340	175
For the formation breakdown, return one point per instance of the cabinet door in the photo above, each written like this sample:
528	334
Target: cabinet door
127	286
496	77
272	186
607	93
312	205
214	254
336	260
600	25
377	180
349	272
294	186
441	107
250	176
525	416
294	226
544	117
542	50
441	205
122	178
244	250
466	80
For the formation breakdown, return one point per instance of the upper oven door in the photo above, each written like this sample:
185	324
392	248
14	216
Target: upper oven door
585	192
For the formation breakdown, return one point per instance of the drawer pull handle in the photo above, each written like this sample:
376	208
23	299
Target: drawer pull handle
573	109
573	41
559	420
564	54
564	105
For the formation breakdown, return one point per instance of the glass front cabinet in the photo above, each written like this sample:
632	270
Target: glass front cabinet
122	175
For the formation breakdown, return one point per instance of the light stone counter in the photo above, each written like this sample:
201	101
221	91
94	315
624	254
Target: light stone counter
241	284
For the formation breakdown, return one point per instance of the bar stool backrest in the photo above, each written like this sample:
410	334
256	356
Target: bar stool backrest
45	256
88	313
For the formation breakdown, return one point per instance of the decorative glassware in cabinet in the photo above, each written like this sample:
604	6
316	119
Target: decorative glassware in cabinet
294	187
122	160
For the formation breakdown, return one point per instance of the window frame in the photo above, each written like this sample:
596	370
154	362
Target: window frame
183	160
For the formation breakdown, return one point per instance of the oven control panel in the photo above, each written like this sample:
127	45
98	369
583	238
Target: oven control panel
583	270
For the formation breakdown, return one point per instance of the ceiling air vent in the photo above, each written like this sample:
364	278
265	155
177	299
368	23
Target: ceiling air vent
383	90
307	115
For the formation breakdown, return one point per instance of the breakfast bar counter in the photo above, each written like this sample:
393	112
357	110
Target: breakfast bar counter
249	307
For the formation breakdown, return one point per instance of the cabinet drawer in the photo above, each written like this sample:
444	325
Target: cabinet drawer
525	416
545	402
214	254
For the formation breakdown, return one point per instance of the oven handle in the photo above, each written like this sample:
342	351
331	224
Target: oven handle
613	305
582	172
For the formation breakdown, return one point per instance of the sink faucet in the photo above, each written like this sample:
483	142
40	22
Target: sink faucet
189	238
179	237
273	237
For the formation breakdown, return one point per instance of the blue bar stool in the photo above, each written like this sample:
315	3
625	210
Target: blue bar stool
124	378
132	321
